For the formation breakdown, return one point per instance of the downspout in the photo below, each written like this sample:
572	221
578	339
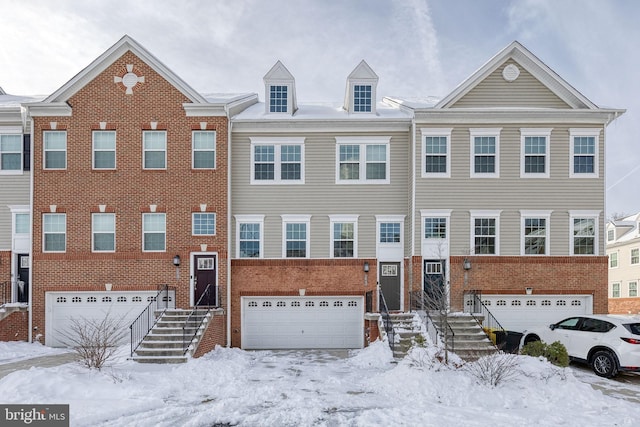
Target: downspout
230	125
31	186
412	203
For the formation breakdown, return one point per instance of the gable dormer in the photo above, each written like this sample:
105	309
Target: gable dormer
279	90
360	96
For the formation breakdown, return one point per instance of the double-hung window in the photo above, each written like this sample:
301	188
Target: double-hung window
103	232
54	227
154	149
436	158
635	256
277	160
344	236
22	223
615	290
203	146
362	160
203	224
583	230
390	232
154	232
55	149
362	98
104	149
633	289
295	231
535	232
11	153
534	149
611	235
485	232
584	153
278	99
435	227
249	236
485	153
613	260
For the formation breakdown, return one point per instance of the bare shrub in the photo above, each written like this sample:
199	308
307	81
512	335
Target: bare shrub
95	340
493	369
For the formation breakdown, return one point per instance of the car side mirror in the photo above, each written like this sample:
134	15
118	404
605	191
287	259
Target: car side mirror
552	327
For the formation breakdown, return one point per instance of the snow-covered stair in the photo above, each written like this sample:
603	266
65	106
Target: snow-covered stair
406	330
470	342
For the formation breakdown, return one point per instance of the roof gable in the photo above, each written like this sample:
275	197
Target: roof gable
361	75
516	55
363	72
101	63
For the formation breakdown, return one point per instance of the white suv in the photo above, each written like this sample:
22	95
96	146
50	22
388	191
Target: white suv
606	342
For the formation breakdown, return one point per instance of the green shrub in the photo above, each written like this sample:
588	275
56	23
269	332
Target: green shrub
555	353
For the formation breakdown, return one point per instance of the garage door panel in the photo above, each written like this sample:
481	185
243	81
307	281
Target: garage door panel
302	322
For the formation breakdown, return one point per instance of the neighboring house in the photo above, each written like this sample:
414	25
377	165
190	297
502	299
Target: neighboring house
130	173
623	249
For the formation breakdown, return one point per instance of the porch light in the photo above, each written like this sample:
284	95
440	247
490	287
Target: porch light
366	267
176	260
466	264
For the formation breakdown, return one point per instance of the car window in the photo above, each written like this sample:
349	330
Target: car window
571	323
596	325
634	328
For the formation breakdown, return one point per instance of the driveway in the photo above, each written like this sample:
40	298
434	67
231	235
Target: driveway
41	362
625	386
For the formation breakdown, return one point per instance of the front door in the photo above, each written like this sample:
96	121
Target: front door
204	281
390	284
22	282
434	289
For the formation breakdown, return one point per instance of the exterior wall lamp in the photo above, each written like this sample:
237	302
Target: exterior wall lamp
466	264
366	267
176	260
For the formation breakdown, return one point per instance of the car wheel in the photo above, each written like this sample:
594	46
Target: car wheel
604	364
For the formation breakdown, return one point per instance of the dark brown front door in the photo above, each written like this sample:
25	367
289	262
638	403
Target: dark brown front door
204	286
390	284
23	278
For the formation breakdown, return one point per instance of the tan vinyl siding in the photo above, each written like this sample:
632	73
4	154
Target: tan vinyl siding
525	91
320	196
14	190
510	193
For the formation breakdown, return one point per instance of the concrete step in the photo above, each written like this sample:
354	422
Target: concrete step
160	359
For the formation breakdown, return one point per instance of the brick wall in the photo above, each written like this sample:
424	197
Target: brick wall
15	327
127	191
214	335
5	267
624	305
287	276
512	274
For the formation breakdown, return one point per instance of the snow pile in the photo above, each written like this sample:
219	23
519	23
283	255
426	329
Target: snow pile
13	351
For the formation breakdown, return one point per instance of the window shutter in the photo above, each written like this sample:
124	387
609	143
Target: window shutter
26	152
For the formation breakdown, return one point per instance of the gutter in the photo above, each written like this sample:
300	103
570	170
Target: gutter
229	127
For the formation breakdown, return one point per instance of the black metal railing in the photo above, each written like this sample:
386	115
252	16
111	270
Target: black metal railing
5	293
440	330
489	323
149	316
196	317
386	320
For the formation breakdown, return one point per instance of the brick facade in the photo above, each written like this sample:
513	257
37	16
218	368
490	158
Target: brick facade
15	327
128	191
624	305
214	335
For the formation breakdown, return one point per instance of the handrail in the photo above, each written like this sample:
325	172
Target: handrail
386	318
418	302
186	343
147	319
489	323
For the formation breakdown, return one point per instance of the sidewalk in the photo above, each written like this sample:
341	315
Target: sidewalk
42	361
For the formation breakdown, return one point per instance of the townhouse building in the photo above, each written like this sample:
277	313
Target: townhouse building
623	250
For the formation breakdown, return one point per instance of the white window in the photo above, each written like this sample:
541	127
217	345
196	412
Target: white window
103	232
344	236
436	149
55	149
635	256
485	153
22	223
104	149
295	233
615	290
154	232
535	232
613	260
583	230
611	235
534	149
633	289
435	227
390	232
11	153
249	236
154	149
485	232
54	228
278	98
584	153
362	98
203	146
362	160
277	160
203	224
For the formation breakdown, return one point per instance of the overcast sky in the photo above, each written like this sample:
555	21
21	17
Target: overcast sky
417	47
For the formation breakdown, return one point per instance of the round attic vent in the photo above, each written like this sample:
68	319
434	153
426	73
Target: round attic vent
510	72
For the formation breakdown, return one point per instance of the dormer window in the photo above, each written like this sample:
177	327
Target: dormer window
279	90
360	96
278	99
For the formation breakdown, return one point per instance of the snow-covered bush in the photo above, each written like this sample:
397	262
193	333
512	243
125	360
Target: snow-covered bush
493	369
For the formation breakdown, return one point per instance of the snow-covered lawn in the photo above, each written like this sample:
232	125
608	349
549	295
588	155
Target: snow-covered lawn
313	388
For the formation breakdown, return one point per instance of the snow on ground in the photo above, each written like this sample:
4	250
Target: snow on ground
229	386
19	350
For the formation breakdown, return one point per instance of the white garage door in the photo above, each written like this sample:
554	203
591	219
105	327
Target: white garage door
521	312
302	322
63	307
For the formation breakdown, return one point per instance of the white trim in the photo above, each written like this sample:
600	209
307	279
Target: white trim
437	132
44	150
480	214
535	132
93	149
339	219
44	232
617	259
390	251
277	143
535	214
215	149
249	219
588	132
144	149
296	219
362	142
165	231
93	250
268	85
595	215
480	132
215	223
